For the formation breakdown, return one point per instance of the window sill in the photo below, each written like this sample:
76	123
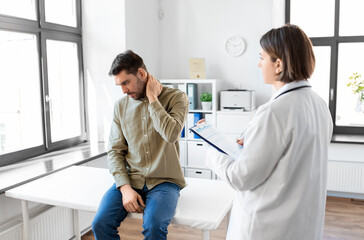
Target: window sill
25	171
342	138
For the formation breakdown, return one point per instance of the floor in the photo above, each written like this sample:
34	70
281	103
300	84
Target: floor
344	220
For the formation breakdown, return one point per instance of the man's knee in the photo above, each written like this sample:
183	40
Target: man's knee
155	224
97	224
155	230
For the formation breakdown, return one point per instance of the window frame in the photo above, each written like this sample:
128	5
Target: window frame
58	27
333	42
71	141
44	31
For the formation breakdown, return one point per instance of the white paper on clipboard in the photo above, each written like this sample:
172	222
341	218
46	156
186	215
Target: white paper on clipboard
217	139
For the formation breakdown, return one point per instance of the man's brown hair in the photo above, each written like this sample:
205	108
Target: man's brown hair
128	61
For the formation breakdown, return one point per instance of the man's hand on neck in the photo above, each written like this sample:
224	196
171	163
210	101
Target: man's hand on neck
153	89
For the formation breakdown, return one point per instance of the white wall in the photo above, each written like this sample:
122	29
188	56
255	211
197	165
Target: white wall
103	38
143	32
200	28
346	152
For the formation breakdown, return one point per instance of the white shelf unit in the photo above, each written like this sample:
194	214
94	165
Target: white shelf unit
192	151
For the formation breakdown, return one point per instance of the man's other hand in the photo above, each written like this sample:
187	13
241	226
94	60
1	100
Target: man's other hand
131	199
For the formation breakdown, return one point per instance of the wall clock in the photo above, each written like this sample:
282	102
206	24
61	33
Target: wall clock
235	46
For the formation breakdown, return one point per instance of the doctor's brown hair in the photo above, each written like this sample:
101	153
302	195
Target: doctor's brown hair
290	44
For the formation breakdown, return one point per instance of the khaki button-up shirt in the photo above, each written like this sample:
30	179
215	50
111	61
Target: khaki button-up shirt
144	140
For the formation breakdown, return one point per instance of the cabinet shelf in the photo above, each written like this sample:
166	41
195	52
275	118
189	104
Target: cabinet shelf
194	140
192	150
200	111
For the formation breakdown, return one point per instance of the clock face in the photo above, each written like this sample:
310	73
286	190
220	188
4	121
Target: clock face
235	46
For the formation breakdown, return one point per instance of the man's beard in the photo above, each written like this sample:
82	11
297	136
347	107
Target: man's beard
141	86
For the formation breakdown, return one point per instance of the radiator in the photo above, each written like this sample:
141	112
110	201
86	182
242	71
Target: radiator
345	177
12	233
55	223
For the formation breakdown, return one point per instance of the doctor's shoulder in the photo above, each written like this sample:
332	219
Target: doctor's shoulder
278	108
264	108
262	111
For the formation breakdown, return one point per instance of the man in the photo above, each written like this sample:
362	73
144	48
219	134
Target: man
143	154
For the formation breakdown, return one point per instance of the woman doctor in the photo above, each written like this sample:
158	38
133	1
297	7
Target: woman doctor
280	176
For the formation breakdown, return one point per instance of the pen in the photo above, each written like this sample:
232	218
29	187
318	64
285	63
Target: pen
240	139
242	134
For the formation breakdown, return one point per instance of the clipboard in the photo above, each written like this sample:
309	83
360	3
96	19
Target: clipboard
206	140
217	139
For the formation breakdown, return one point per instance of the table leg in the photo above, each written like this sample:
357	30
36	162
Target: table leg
76	224
26	228
228	217
205	235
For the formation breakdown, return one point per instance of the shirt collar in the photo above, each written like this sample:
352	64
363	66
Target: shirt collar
286	87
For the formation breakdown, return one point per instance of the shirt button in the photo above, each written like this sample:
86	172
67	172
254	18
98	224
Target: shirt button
145	135
143	118
147	152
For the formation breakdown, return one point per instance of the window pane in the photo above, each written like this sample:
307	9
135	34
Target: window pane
64	89
20	102
320	79
351	60
61	12
310	16
351	18
18	8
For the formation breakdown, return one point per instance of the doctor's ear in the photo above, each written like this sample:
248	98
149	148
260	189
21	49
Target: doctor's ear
279	66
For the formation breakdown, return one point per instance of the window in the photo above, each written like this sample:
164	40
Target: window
41	84
61	12
335	29
19	8
20	92
64	89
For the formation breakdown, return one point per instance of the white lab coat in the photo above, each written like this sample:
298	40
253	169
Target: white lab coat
280	176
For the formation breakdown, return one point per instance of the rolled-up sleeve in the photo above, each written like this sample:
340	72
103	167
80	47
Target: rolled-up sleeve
169	124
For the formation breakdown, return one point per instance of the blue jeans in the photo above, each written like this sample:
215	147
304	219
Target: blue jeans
160	205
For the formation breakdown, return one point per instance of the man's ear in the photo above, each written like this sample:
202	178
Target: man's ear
279	66
143	74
